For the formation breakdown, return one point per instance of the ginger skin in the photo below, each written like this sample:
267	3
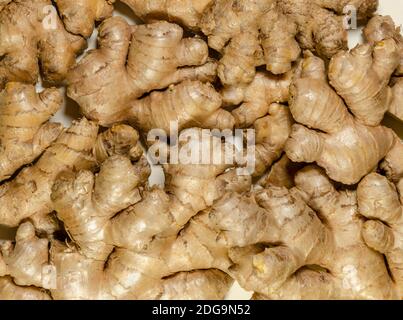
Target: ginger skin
381	28
25	130
139	235
184	12
79	17
249	34
396	106
254	100
190	103
322	258
272	133
381	202
28	39
345	148
104	84
28	195
241	24
281	174
361	78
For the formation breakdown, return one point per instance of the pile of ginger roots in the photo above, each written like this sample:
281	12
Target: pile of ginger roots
319	217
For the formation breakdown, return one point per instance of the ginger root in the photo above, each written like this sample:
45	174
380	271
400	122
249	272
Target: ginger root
10	291
281	174
79	17
347	149
361	77
133	244
381	202
32	37
396	106
272	133
254	99
184	12
134	60
308	254
321	24
190	103
249	34
25	130
253	33
381	28
28	195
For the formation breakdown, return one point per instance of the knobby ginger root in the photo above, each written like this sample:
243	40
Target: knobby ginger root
392	165
25	130
381	28
10	291
396	106
134	60
249	34
31	37
28	195
344	147
254	99
190	103
281	174
308	254
194	285
79	17
253	33
3	3
321	24
184	12
361	77
133	243
381	202
272	133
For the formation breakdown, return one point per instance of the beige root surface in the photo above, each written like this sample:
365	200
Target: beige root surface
308	254
327	133
79	147
127	254
79	16
133	60
25	130
33	39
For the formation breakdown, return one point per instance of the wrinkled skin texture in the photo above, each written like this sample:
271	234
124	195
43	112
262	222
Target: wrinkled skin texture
32	36
396	107
392	165
381	28
311	258
264	32
272	133
25	130
190	104
195	285
361	78
281	174
345	148
254	100
321	30
33	251
79	16
249	34
139	236
184	12
10	291
28	195
131	61
380	201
